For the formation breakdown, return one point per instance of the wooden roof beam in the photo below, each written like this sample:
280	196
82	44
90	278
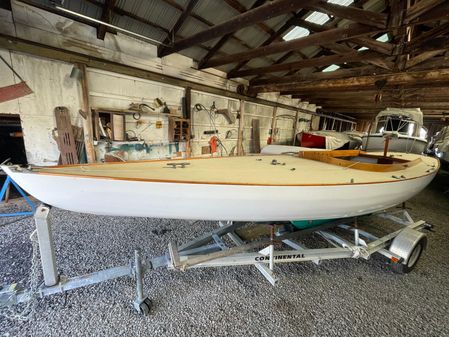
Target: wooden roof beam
381	47
435	77
241	9
319	75
199	18
381	61
119	11
437	92
332	35
383	105
436	43
369	99
439	12
178	24
268	41
225	38
361	111
262	13
105	17
340	48
410	63
366	17
426	36
420	8
313	62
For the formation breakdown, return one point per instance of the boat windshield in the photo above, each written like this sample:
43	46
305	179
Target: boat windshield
398	124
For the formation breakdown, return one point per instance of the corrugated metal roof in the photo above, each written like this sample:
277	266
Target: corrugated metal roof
165	13
215	11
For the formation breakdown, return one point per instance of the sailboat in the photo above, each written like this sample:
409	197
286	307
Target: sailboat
309	185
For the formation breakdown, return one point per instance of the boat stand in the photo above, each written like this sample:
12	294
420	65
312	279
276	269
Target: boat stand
4	194
224	247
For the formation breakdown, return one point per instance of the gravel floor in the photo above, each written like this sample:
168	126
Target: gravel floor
337	298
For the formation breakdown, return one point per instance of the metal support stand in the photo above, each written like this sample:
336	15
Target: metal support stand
54	283
356	233
142	304
4	194
46	245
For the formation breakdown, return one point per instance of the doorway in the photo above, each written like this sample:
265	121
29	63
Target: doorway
12	146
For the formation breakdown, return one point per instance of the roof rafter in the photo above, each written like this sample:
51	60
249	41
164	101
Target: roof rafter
355	14
226	37
423	77
271	39
424	37
105	17
381	47
410	63
262	13
119	11
439	12
320	75
199	18
332	35
181	19
353	56
420	8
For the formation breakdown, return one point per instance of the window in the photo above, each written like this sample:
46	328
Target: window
396	124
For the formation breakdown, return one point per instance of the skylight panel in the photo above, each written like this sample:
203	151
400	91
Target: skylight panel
296	33
318	18
315	17
383	38
332	67
341	2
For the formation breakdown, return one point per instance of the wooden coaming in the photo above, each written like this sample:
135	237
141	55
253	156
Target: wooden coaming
333	157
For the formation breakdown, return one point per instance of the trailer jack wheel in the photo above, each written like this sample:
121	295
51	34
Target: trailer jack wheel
145	307
408	265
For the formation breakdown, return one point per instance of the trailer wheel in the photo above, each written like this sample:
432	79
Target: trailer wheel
407	266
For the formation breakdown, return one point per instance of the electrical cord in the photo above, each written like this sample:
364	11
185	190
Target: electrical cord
212	116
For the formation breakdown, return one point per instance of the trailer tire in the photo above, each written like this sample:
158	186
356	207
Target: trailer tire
406	267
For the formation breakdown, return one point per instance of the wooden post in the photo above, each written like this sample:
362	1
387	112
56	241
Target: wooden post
8	190
188	115
87	122
240	151
273	124
255	136
295	127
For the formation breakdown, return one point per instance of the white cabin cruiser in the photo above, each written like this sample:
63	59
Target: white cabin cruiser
404	127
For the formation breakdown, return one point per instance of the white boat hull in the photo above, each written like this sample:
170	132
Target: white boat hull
404	144
118	197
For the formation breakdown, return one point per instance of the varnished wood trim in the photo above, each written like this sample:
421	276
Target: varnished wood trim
332	157
229	183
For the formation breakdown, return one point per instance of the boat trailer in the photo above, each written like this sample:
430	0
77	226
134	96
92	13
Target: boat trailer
225	247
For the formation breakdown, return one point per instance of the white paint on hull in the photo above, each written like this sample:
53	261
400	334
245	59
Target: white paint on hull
215	202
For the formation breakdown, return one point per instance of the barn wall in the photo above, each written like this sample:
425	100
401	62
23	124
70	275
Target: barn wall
203	120
50	80
111	91
51	87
